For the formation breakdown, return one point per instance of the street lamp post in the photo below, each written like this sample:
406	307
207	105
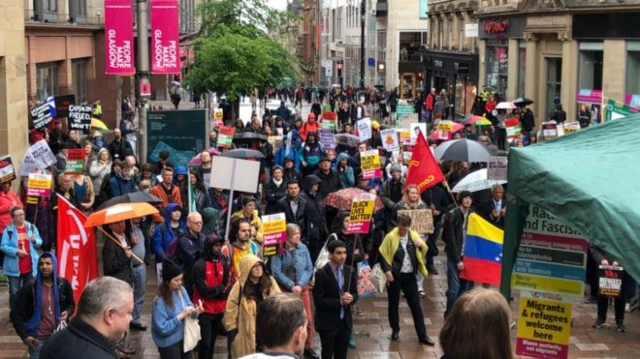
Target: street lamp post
362	42
143	72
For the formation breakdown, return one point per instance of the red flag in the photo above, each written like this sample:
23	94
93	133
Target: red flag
424	170
76	246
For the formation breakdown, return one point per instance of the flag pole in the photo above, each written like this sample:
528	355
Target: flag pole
119	245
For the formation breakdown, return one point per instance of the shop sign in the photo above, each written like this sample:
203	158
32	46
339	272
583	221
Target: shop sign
470	30
496	27
461	67
438	63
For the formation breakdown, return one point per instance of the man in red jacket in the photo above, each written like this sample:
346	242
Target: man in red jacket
429	103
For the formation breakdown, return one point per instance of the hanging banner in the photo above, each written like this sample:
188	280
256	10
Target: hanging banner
544	328
118	29
39	185
41	115
7	171
361	214
370	162
364	129
165	39
274	229
225	136
610	281
80	117
390	139
75	160
512	125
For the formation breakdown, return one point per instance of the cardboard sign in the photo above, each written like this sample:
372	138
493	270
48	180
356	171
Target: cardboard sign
42	155
497	168
364	129
421	219
7	171
361	214
544	328
370	162
275	142
390	140
41	115
274	229
63	104
80	117
327	138
39	185
512	125
610	281
549	130
75	161
225	136
571	127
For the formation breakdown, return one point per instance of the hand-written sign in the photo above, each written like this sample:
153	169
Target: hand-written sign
41	115
7	171
421	219
610	281
80	117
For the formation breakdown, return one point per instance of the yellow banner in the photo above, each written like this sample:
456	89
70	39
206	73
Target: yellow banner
547	284
544	320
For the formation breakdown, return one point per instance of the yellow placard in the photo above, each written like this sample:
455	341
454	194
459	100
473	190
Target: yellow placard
544	320
32	200
39	182
361	211
405	136
370	160
218	114
276	226
445	126
547	284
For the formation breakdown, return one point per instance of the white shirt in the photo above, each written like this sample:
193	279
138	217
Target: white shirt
407	267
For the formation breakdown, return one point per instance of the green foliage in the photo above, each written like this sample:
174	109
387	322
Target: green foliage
246	13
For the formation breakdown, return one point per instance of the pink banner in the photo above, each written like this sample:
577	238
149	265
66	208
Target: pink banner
165	39
589	96
118	42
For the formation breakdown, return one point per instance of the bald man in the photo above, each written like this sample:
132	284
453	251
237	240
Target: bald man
190	247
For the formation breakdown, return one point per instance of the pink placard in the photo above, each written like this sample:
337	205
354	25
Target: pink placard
165	39
274	239
539	349
118	42
370	174
359	227
589	96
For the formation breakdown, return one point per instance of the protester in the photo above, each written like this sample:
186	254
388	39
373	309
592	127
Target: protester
101	320
166	191
333	302
330	178
311	153
19	242
494	210
163	162
239	246
169	230
246	295
199	194
190	247
119	148
293	270
345	171
437	201
294	207
100	168
391	194
478	327
204	169
83	193
8	200
290	169
316	229
250	213
139	272
170	308
122	182
42	304
274	190
603	258
117	257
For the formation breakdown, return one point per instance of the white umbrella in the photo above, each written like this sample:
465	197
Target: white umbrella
506	106
476	181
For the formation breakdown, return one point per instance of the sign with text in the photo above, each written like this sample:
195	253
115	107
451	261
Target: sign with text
421	220
7	171
274	229
118	44
497	168
41	115
512	125
327	138
370	164
62	105
571	127
225	136
41	154
75	160
544	328
328	125
364	129
165	39
361	214
549	130
218	116
80	117
39	185
416	129
617	110
329	119
444	129
610	281
404	136
390	140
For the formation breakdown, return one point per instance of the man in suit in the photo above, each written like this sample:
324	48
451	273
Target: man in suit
294	207
335	291
494	210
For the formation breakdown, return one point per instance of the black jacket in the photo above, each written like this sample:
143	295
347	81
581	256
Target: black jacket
189	248
24	306
317	228
437	196
452	233
326	297
273	194
115	261
396	266
299	218
485	209
120	149
78	340
330	182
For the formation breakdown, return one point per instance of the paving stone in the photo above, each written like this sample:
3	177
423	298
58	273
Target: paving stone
591	346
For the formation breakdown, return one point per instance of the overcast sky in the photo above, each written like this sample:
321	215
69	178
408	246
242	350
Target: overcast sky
278	4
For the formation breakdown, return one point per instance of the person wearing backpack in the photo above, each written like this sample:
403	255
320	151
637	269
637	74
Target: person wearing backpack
239	246
189	248
165	233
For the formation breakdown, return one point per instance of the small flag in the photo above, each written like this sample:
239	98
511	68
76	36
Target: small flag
482	251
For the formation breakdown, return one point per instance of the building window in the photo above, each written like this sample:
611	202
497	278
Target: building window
79	80
333	25
497	65
589	95
632	94
440	33
47	80
77	11
461	34
410	45
450	26
339	24
52	5
522	66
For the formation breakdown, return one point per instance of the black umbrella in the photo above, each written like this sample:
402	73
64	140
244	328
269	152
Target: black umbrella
243	153
134	197
249	136
522	101
463	150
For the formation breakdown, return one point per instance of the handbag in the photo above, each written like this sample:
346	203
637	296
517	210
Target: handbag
378	278
366	288
191	333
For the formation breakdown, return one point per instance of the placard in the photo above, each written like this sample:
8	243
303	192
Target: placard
390	140
75	160
80	117
218	116
243	179
274	229
7	171
497	168
571	127
444	129
544	328
62	105
361	214
329	119
328	125
610	281
28	165
512	126
549	130
41	115
404	136
327	138
275	142
370	164
39	185
42	154
421	220
417	128
364	129
225	136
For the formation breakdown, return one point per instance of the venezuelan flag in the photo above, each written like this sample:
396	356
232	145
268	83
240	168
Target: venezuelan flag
482	251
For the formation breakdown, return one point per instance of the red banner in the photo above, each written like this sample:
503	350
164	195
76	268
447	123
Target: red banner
118	42
165	39
76	246
424	170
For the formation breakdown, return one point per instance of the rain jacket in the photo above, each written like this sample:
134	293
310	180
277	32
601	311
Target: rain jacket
163	235
281	264
9	246
120	186
7	200
310	126
312	153
346	175
293	153
211	280
240	313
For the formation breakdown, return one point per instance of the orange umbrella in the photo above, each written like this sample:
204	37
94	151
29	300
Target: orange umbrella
119	212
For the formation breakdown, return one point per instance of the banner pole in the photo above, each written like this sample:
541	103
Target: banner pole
118	243
230	204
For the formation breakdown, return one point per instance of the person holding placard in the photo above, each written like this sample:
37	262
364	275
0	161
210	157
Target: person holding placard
604	259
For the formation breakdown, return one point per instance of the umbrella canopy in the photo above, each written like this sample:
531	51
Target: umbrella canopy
95	123
455	128
348	140
249	136
343	199
476	181
463	150
243	153
119	212
506	106
196	160
478	121
134	197
522	101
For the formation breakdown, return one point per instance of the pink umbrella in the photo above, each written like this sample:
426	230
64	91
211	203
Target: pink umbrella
196	160
455	128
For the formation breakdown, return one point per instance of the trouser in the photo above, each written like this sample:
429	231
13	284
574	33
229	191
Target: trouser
304	295
618	303
15	283
456	286
174	352
35	353
188	281
407	283
139	290
210	326
335	343
432	240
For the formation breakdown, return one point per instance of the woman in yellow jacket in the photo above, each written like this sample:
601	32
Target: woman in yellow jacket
240	316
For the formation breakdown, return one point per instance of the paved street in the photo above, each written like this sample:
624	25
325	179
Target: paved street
374	332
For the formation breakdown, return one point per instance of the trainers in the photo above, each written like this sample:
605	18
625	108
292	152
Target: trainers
599	323
621	328
627	308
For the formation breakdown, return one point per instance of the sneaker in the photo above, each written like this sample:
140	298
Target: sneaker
352	341
627	308
599	323
621	328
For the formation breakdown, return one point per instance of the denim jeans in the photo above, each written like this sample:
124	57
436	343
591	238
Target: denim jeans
455	285
35	353
139	290
15	283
